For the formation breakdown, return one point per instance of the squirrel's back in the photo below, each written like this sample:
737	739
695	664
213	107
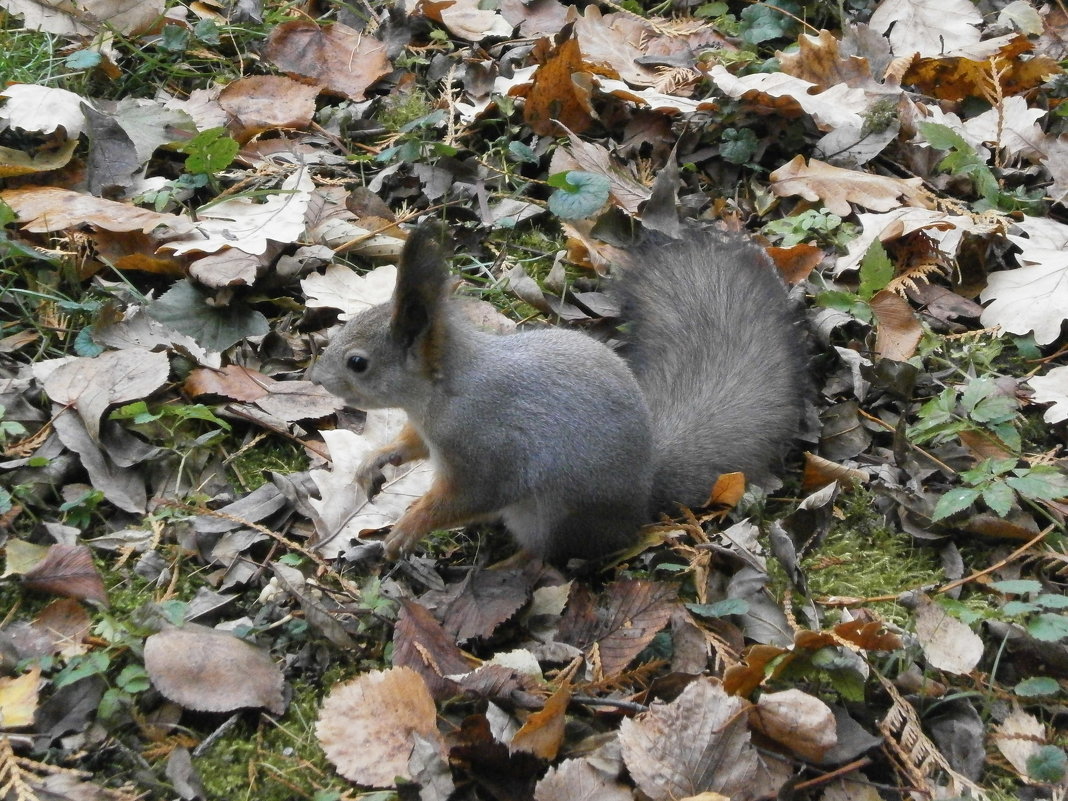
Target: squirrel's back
716	347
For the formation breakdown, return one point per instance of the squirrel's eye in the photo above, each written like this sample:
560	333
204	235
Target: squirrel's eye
358	364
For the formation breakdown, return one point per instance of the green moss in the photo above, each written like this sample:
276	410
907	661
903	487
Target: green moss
276	760
250	465
863	558
401	108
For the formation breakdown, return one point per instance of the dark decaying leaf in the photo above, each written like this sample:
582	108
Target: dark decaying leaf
68	570
212	671
420	643
484	600
185	309
620	623
578	780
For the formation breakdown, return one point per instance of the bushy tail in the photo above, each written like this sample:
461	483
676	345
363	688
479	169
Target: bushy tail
718	352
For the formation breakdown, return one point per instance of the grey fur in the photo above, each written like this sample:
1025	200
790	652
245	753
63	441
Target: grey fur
553	432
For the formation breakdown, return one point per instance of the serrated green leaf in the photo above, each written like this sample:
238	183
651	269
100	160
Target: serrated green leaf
1048	627
1014	608
1037	486
876	270
995	409
1037	686
583	195
1052	601
999	497
942	137
956	500
185	309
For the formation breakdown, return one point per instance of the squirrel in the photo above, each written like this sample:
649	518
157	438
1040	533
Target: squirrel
573	446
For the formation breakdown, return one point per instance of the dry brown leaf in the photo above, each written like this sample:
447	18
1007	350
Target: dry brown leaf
262	102
578	780
420	643
837	188
93	383
797	720
554	97
67	623
213	671
67	570
337	58
622	622
819	61
484	600
819	472
947	643
899	332
698	742
46	208
543	732
796	263
955	78
366	725
227	267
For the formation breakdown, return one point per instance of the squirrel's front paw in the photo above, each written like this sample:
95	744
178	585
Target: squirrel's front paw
369	476
399	541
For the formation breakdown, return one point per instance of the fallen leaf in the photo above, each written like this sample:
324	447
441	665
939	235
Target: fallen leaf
543	732
1052	388
91	384
1018	738
67	570
420	643
48	208
337	58
212	671
87	17
578	780
899	332
797	720
18	698
698	742
42	109
366	725
259	103
947	643
624	620
837	188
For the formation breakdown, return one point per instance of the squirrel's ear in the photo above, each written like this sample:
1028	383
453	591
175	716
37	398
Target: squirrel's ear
420	293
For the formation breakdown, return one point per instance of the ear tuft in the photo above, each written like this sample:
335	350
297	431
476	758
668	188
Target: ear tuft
420	293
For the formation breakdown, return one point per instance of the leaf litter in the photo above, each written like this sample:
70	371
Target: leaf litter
920	196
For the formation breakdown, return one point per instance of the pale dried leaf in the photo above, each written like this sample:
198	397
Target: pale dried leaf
49	208
93	383
18	698
1030	298
947	643
578	780
42	109
837	188
341	287
927	27
1019	737
366	725
1052	388
249	225
212	671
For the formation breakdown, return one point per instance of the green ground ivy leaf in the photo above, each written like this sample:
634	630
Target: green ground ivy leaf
956	500
1037	686
1048	627
578	194
184	308
1047	764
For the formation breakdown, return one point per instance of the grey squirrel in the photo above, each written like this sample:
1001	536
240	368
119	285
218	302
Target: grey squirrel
572	446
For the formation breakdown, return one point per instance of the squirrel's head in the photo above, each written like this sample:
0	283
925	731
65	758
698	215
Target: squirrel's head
388	355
